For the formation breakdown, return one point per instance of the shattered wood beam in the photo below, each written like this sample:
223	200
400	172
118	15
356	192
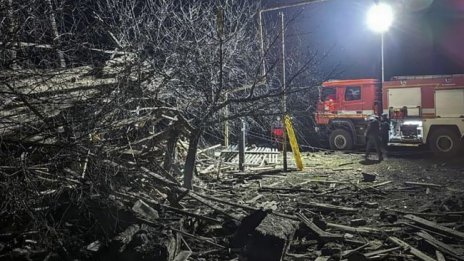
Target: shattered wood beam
169	208
199	197
324	181
360	230
410	183
440	245
222	211
197	237
209	148
380	184
183	212
318	231
245	206
440	256
349	253
328	207
416	252
183	255
419	228
442	214
435	227
160	178
265	188
381	252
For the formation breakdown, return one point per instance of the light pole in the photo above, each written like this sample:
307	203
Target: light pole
379	20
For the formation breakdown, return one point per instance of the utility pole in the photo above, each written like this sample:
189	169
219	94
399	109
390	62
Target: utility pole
226	123
284	96
241	148
275	8
261	35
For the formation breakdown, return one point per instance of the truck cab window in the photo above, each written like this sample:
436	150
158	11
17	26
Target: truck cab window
352	93
328	94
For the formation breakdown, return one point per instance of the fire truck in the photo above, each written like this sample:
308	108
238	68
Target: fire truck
421	110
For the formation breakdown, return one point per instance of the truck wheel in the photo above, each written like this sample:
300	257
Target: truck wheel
444	142
340	140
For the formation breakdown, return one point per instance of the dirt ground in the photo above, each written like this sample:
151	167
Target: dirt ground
408	181
328	211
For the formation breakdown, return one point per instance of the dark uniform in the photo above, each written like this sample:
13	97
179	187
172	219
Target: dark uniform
384	129
373	138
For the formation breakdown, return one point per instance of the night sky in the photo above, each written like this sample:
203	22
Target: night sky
427	37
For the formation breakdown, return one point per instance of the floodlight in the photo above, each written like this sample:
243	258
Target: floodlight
380	17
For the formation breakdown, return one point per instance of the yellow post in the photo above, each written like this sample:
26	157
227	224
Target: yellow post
293	143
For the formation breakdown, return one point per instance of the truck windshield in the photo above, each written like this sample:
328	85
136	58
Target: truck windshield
327	94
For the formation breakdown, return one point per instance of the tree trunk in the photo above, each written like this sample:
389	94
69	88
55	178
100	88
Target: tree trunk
170	151
189	166
56	35
12	31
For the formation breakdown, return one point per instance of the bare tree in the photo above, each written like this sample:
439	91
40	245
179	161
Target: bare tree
191	58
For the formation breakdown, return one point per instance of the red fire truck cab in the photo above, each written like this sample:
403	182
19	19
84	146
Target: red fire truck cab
343	108
421	110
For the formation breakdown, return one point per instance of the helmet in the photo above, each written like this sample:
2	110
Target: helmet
372	117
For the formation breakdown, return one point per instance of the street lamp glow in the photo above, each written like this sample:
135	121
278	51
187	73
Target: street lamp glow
380	17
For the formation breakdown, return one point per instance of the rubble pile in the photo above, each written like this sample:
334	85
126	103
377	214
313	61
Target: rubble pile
93	179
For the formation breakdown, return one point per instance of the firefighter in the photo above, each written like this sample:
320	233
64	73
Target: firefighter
384	130
373	137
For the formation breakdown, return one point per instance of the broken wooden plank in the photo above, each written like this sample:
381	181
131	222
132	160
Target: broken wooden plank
209	148
349	253
380	184
416	252
344	164
342	169
260	168
254	199
326	236
183	255
328	207
241	205
265	188
410	183
168	208
323	181
144	211
435	227
440	256
442	214
381	252
208	169
206	203
187	213
359	230
440	246
425	229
